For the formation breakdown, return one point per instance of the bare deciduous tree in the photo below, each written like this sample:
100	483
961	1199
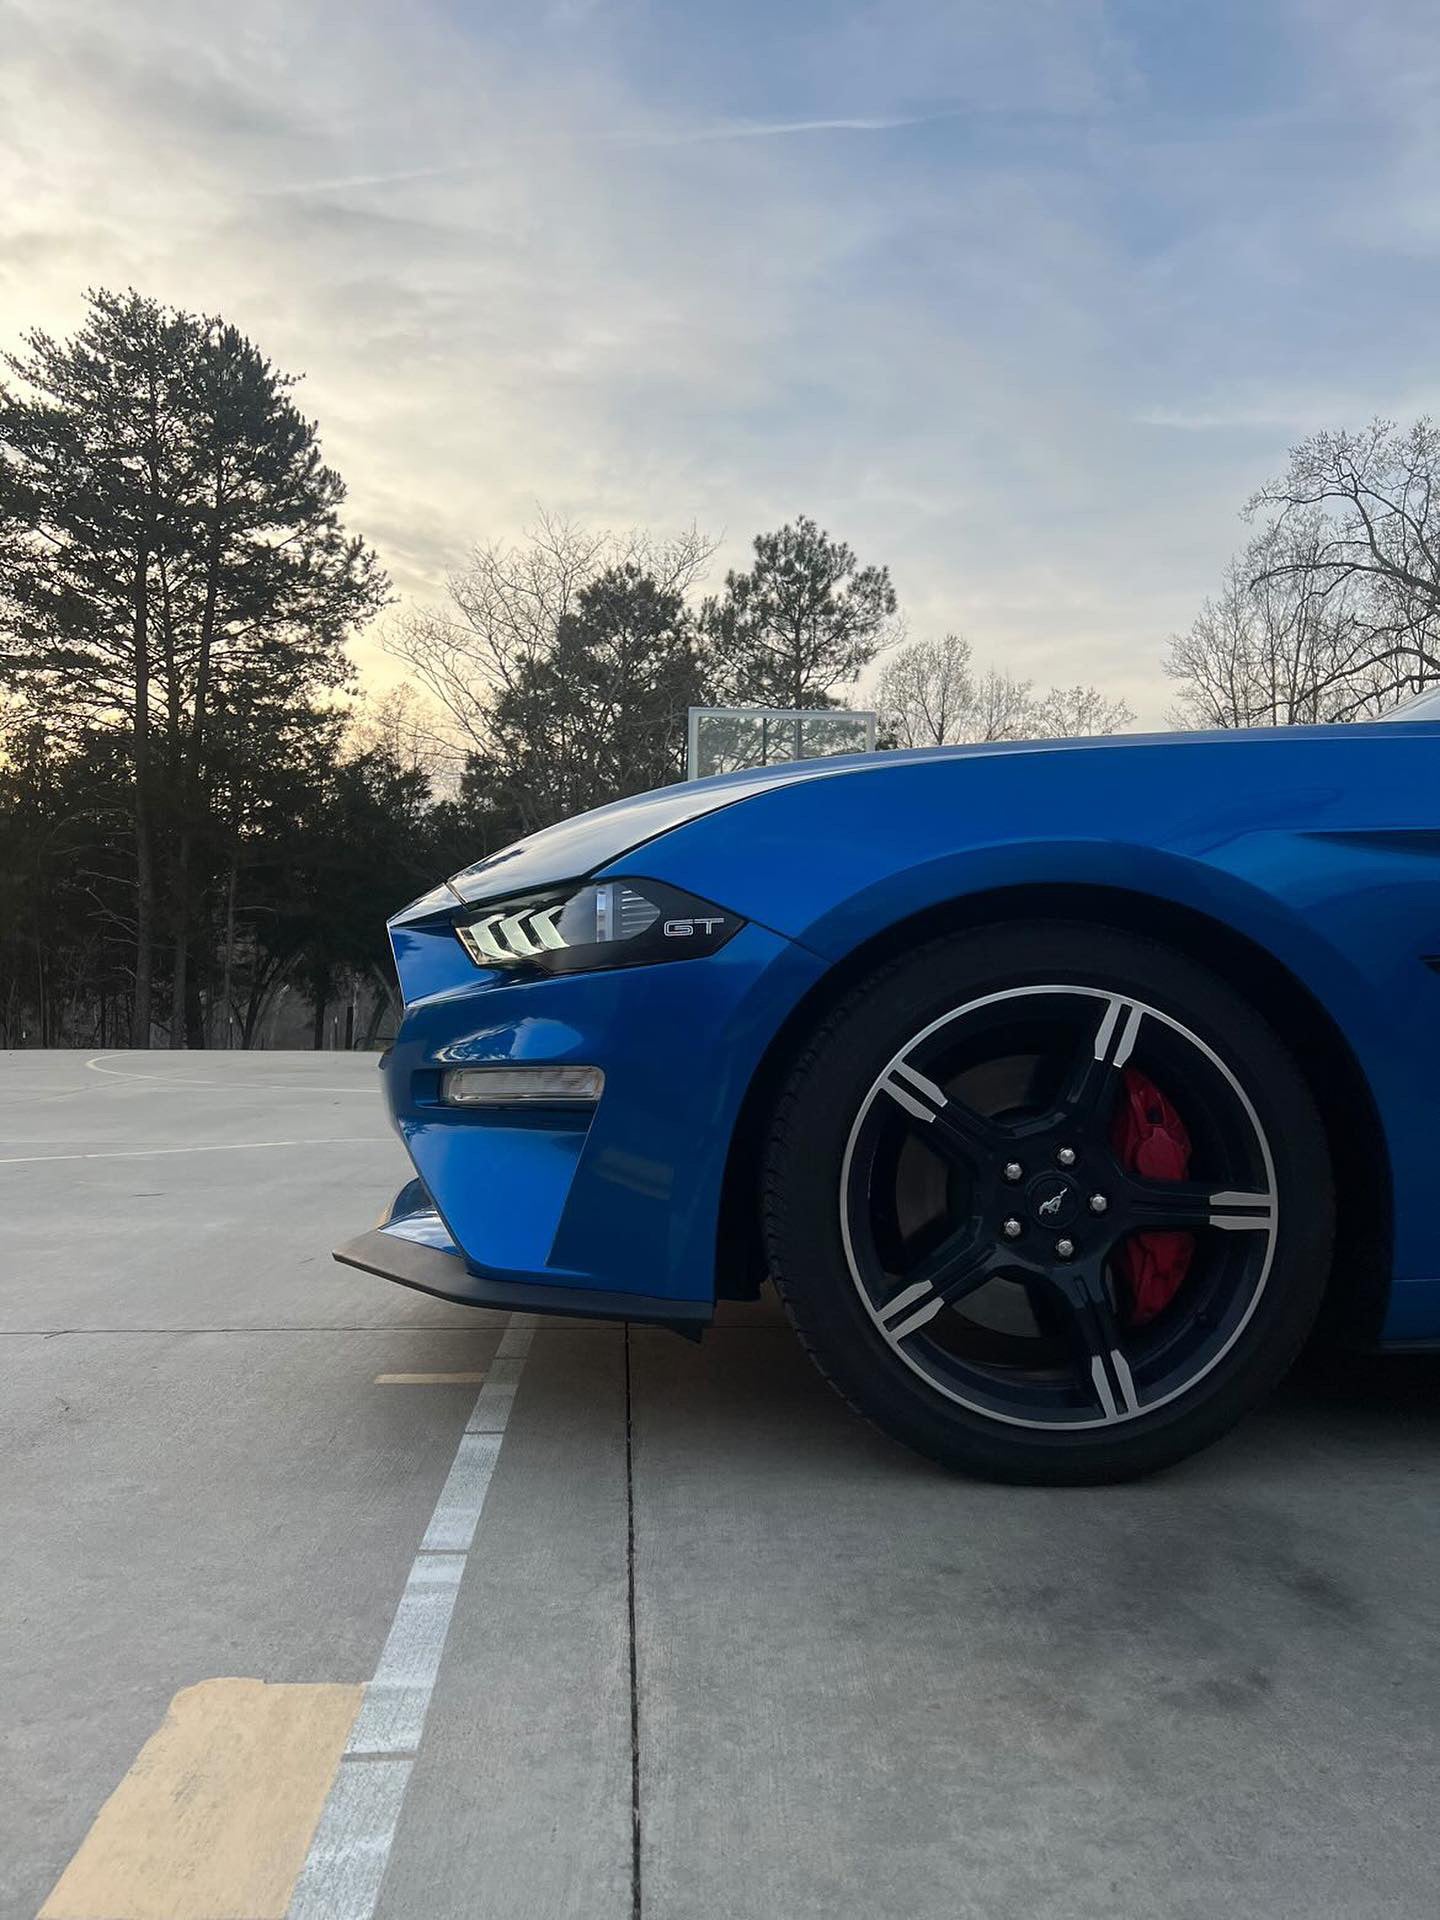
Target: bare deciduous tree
410	731
1076	713
1356	525
930	694
927	692
1283	643
1002	707
507	607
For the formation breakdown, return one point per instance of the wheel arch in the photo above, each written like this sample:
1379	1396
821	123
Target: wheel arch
1359	1286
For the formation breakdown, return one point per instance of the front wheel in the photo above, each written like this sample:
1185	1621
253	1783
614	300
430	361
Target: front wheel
1049	1202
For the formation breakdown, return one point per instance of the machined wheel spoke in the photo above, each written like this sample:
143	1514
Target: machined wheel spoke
1162	1206
955	1130
958	1266
1090	1084
1107	1295
1097	1353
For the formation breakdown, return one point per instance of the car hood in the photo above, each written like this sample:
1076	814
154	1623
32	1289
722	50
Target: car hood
574	847
579	846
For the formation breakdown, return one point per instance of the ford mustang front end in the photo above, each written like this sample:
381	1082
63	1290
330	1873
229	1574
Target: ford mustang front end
574	1052
1060	1088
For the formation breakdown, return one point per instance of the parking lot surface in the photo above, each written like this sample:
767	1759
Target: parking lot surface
551	1619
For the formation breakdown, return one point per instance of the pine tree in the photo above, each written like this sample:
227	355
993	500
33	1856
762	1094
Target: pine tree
174	554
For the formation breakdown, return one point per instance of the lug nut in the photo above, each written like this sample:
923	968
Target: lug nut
1012	1229
1065	1248
1014	1171
1098	1203
1066	1156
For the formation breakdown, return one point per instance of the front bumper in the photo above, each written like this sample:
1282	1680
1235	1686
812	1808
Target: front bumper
413	1248
612	1211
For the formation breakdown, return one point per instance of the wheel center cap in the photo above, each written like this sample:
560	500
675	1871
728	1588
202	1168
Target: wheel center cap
1054	1200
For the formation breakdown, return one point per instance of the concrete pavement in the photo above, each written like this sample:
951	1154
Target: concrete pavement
718	1649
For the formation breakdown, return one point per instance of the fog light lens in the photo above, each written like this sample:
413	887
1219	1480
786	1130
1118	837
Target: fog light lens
523	1086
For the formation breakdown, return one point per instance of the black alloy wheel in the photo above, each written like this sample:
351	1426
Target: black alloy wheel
952	1217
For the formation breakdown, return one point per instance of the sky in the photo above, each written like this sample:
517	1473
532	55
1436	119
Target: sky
1023	301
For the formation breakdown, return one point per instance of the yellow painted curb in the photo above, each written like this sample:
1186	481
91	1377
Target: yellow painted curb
214	1819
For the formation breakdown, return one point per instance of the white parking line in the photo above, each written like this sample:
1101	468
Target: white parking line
181	1081
223	1146
351	1849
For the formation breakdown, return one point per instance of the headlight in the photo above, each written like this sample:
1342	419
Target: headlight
605	923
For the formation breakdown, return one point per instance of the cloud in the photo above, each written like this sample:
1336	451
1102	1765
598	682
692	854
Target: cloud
650	137
359	182
776	129
1021	300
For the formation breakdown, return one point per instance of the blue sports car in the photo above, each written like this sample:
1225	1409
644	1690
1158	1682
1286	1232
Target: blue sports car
1062	1089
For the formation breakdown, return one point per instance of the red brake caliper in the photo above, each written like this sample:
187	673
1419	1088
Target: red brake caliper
1149	1139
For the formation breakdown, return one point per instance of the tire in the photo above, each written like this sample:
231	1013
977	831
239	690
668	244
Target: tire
917	1203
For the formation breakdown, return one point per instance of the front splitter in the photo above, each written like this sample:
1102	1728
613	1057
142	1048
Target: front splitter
445	1275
